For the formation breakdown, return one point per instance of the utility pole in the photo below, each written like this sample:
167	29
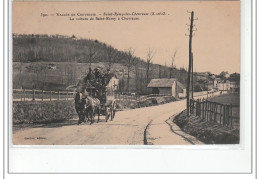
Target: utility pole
190	60
192	88
207	86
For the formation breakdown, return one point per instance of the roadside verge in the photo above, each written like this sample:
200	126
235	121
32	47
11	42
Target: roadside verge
167	133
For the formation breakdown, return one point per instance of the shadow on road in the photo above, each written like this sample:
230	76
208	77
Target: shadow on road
56	124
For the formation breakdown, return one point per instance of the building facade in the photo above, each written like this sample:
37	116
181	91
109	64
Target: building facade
167	86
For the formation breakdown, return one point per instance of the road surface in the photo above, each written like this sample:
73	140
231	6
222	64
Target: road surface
130	127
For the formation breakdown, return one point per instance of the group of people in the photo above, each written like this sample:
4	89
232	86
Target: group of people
97	77
93	87
94	84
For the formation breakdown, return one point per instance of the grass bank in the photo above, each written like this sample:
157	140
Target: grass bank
207	132
42	111
125	104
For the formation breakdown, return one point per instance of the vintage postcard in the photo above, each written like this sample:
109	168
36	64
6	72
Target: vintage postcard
126	73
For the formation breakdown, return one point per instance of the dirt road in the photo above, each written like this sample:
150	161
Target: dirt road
128	127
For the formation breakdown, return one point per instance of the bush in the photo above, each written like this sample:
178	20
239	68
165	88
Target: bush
43	111
207	132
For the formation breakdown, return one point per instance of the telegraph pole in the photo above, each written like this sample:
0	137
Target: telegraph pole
192	88
190	60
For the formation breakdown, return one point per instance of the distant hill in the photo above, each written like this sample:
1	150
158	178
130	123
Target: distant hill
33	53
57	48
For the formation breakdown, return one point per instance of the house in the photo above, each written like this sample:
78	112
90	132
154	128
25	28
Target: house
167	86
113	83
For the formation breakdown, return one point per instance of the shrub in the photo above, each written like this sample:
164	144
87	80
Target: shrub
207	132
43	111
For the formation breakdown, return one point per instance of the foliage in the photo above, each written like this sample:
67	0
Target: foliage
207	132
42	112
55	48
73	50
223	75
235	77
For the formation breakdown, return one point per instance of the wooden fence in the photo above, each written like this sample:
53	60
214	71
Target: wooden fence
41	95
138	98
224	114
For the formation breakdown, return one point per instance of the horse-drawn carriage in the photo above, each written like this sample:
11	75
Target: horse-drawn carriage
94	99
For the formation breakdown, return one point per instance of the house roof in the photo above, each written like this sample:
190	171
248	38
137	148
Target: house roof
164	82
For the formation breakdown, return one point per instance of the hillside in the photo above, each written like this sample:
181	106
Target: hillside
72	57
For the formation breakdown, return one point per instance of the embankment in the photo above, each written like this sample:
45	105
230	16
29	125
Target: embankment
207	132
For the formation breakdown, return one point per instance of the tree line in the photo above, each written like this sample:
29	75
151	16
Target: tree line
57	48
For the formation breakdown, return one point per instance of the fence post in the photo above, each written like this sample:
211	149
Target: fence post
193	105
231	122
206	109
190	107
23	94
190	110
197	107
220	114
50	95
209	117
212	110
215	111
203	110
228	122
224	115
42	95
33	95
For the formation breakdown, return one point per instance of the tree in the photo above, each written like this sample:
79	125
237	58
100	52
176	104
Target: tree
111	55
149	56
223	75
129	65
235	77
172	66
137	75
91	55
160	71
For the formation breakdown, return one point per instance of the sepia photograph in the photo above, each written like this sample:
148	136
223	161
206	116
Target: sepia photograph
126	73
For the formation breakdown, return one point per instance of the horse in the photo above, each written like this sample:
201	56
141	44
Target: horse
92	106
80	107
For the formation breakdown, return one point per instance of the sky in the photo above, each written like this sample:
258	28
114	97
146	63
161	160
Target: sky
215	45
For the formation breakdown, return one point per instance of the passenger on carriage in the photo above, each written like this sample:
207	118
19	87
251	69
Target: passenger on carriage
90	76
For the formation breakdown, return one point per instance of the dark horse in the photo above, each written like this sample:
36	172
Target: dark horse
80	107
86	108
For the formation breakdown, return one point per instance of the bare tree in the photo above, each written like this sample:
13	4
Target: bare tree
91	54
149	56
172	66
137	74
129	64
160	71
165	74
111	55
